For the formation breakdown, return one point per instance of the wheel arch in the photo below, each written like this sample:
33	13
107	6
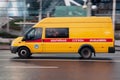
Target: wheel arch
87	45
23	47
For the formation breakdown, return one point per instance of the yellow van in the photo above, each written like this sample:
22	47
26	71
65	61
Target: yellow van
84	35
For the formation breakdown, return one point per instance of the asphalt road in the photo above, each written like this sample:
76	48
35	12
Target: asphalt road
59	67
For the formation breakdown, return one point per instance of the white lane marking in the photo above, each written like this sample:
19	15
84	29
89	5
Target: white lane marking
8	55
33	67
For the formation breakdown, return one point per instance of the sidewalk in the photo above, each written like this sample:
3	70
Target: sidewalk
117	43
4	47
6	40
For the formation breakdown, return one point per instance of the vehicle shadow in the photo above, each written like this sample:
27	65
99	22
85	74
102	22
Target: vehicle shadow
60	58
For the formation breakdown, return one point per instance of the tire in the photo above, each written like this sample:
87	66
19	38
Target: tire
24	53
86	53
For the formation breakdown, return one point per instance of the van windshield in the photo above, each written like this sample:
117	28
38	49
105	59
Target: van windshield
33	33
27	31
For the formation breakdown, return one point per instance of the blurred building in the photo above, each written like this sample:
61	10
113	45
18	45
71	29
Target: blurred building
13	7
31	8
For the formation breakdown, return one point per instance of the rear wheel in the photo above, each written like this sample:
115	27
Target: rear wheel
86	53
24	52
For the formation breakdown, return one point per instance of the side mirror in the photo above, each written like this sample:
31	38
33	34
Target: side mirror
24	39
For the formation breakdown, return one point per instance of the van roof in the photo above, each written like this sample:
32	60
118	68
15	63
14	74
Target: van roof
76	19
52	20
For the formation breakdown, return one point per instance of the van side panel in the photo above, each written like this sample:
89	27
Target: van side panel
95	31
100	34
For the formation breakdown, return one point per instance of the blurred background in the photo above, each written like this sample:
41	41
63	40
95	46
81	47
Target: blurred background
17	16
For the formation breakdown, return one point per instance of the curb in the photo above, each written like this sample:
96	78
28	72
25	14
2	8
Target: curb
117	45
5	47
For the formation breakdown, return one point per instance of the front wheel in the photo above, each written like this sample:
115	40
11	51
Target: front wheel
24	52
86	53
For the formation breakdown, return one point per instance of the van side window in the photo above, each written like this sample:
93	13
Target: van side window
57	33
34	33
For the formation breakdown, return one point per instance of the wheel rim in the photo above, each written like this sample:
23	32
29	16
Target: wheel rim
86	53
23	52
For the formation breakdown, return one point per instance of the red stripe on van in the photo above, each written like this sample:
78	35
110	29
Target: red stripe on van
78	40
72	40
37	40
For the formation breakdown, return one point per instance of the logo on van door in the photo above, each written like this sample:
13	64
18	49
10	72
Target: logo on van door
36	46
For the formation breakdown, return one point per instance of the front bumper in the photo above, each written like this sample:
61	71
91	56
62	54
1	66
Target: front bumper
13	49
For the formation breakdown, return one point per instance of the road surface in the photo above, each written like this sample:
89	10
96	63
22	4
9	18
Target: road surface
59	67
